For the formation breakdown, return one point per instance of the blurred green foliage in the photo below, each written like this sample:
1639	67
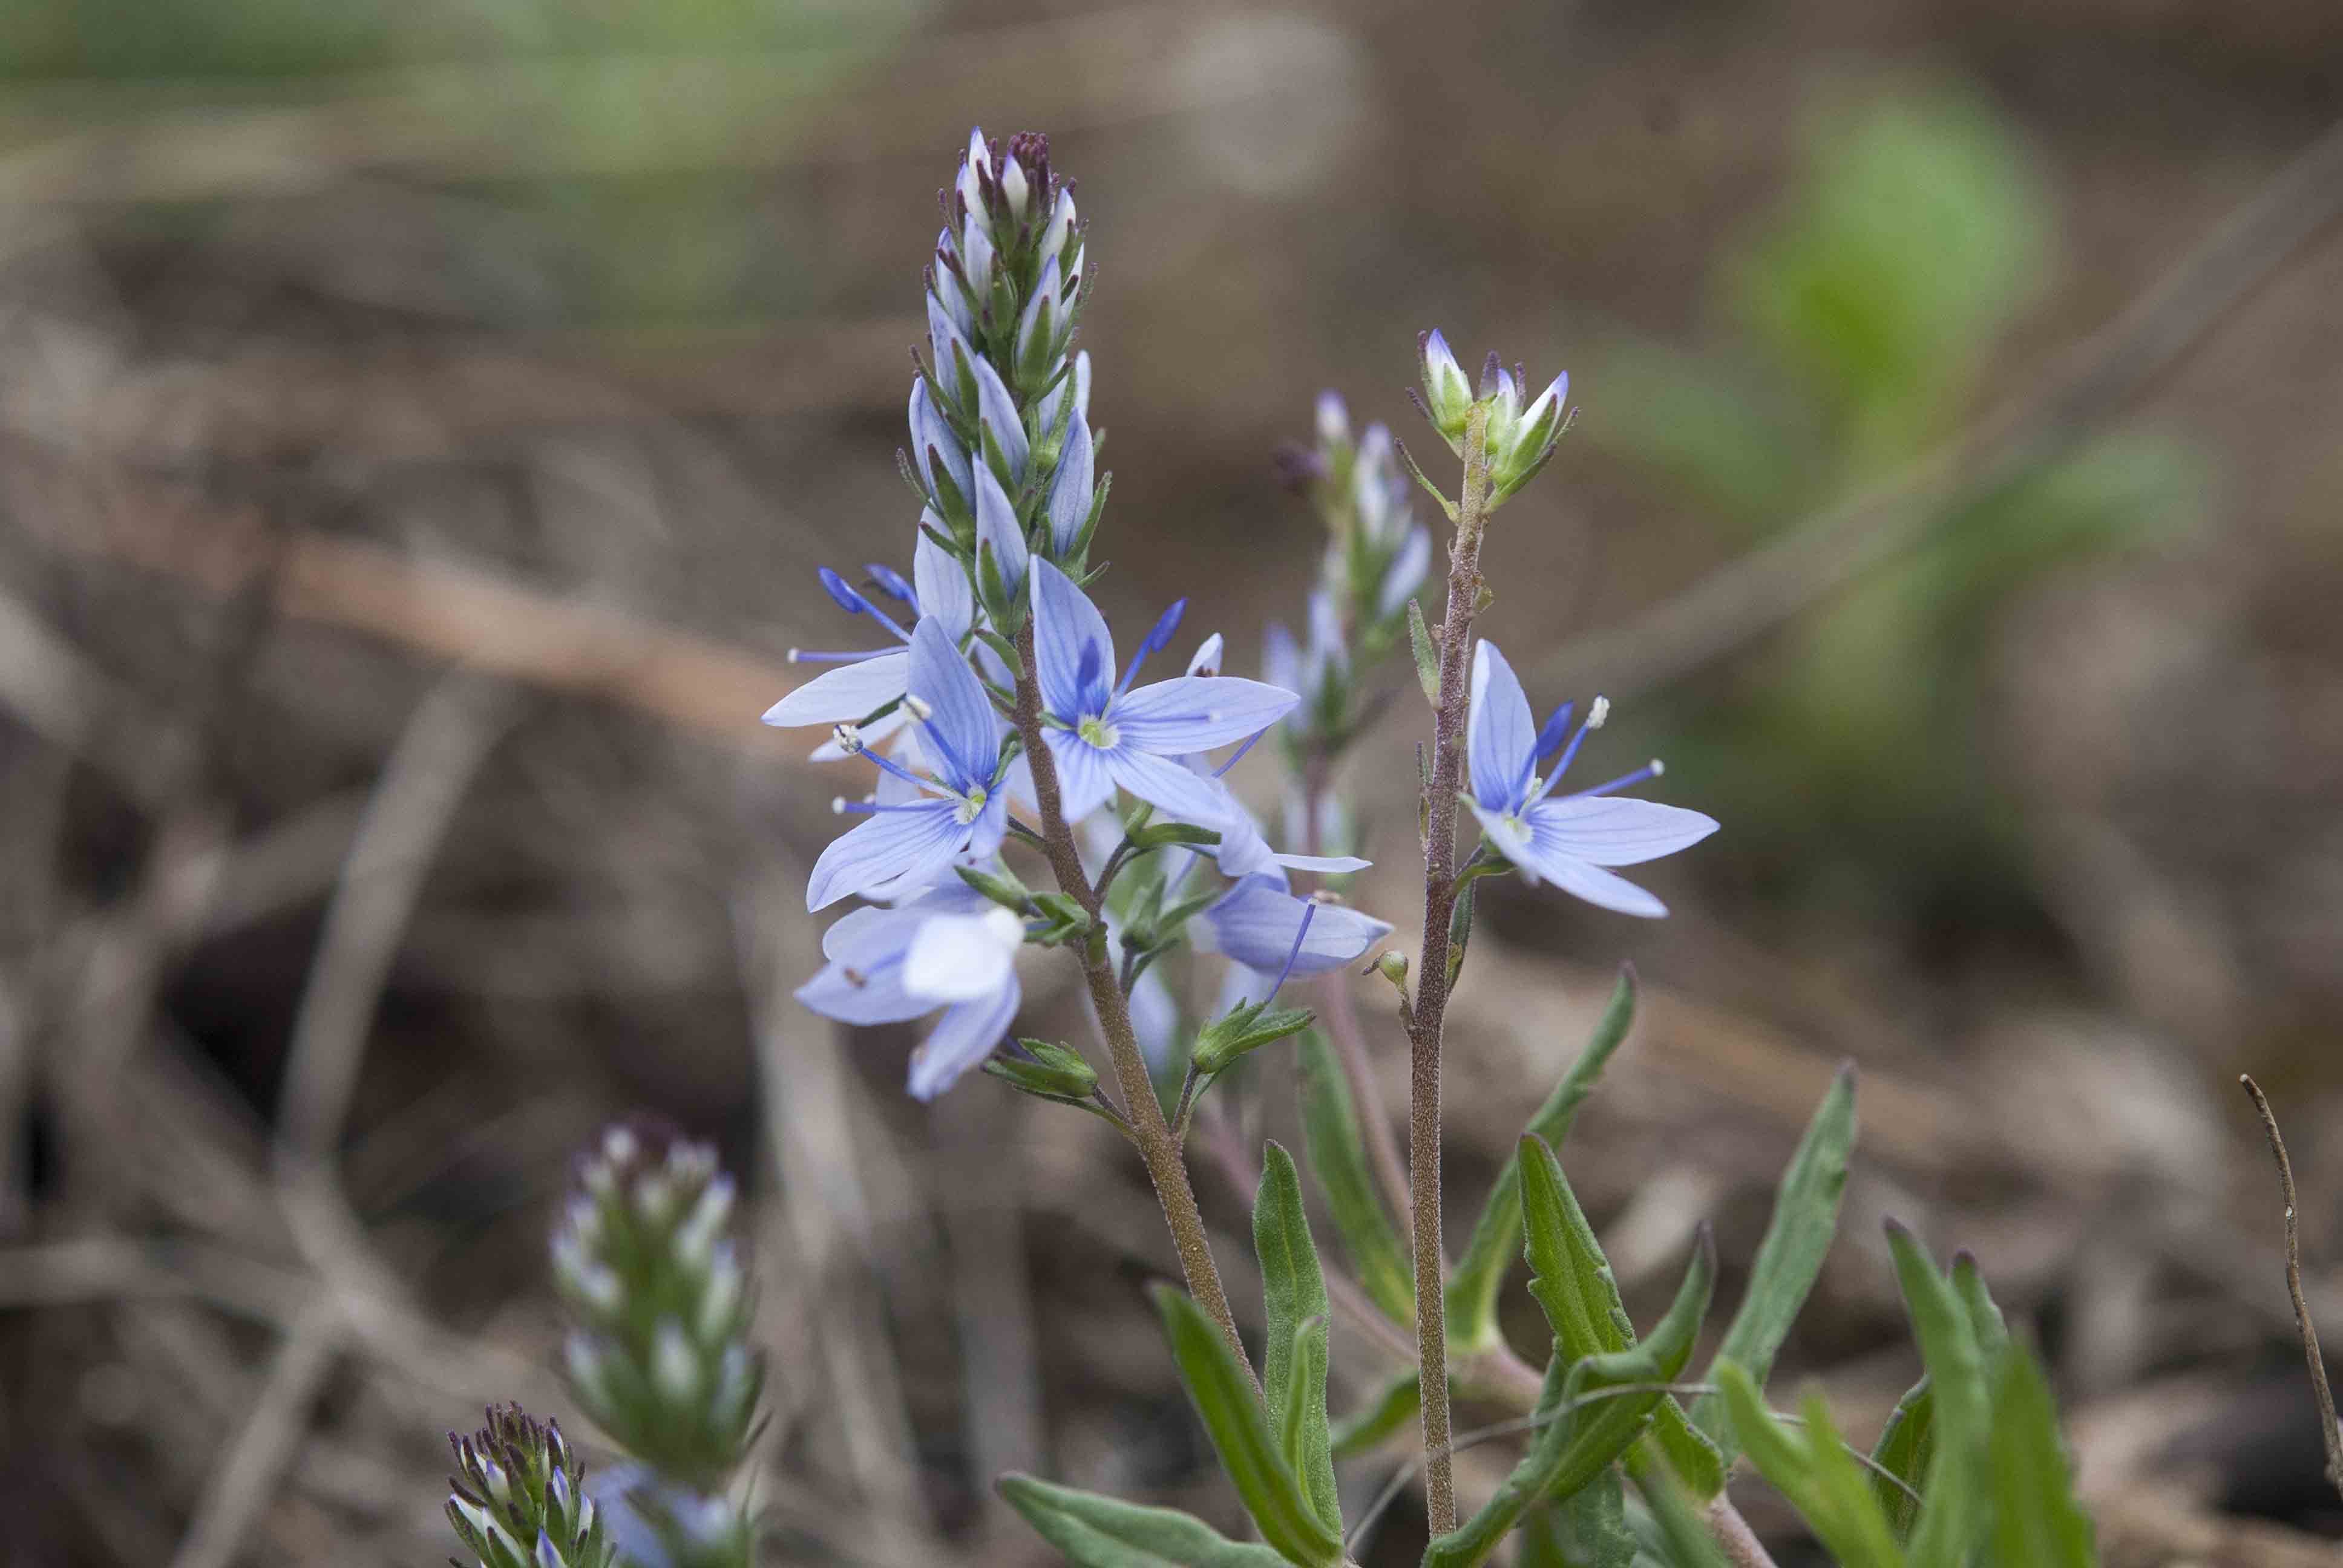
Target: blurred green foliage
1867	309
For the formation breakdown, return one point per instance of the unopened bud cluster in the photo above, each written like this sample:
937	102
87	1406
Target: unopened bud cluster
518	1497
1003	455
1520	437
658	1355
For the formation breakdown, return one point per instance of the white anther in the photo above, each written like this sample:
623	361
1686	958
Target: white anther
921	708
1600	711
793	656
847	738
1658	767
837	805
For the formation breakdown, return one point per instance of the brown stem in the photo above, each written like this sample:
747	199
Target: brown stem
1432	974
2307	1330
1157	1147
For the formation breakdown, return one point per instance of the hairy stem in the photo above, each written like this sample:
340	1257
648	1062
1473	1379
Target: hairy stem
1432	974
1158	1147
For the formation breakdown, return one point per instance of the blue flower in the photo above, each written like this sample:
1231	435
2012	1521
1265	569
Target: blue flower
951	950
1564	840
962	810
1261	925
1104	735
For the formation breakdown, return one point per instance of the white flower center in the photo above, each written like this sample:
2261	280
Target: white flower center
1098	732
970	805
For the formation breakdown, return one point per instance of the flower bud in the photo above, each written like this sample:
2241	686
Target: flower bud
1045	1069
516	1482
1447	395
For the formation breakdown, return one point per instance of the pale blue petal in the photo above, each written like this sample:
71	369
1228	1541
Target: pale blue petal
1255	923
941	582
1571	875
931	435
992	825
1070	492
1154	1019
886	846
960	713
1065	623
944	336
1614	830
860	996
1406	572
1197	712
1168	785
845	692
996	526
1324	865
1083	782
962	1039
1500	736
996	411
866	938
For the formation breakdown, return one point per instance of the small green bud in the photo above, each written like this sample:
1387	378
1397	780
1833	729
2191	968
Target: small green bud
1047	1069
999	887
1247	1027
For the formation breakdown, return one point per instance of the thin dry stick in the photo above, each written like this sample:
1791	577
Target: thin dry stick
1432	976
1158	1147
240	1487
2327	1431
1765	588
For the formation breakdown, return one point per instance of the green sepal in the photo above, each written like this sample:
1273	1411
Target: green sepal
1232	1416
999	887
1427	658
1338	1158
1815	1470
1572	1282
1496	1238
1797	1238
1395	1406
1054	1072
1294	1344
1247	1027
1161	834
1096	1531
2036	1522
1584	1435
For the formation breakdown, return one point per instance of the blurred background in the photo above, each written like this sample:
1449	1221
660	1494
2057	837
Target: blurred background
418	425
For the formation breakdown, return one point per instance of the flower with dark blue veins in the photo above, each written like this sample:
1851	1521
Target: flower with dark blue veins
952	949
1104	734
1565	839
867	680
962	808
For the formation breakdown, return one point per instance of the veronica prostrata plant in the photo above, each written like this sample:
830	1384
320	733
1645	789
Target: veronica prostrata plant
1031	788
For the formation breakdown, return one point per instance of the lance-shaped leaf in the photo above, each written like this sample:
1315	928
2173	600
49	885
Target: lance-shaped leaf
1293	1347
1592	1413
1338	1158
1815	1470
1680	1538
1805	1218
1394	1406
1900	1460
1497	1235
2036	1522
1985	1321
1095	1531
1572	1281
1953	1514
1233	1419
1586	1529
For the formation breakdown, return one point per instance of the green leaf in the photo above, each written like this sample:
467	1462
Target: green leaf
1397	1405
1683	1534
2036	1523
1584	1431
1427	657
1338	1158
1985	1321
1805	1218
1586	1529
1097	1532
1497	1233
1233	1417
1294	1352
1816	1470
1904	1446
1953	1516
1572	1281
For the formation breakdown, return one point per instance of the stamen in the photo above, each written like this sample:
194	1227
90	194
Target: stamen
852	656
920	706
847	738
1597	712
1651	769
1239	755
1309	913
853	603
1165	625
890	583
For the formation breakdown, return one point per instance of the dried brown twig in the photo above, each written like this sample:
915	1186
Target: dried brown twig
2327	1431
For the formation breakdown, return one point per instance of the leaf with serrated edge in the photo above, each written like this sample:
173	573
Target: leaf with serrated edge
1798	1237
